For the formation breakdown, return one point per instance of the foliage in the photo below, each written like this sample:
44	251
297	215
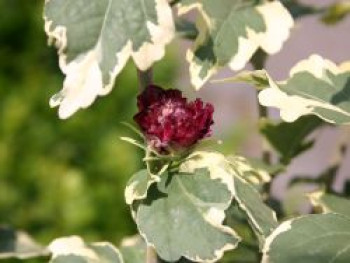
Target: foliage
58	178
189	204
289	139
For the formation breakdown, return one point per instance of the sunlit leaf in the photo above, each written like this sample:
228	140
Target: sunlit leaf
74	250
231	31
95	39
316	87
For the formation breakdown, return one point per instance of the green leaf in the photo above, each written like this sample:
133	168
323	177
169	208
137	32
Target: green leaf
325	180
248	249
183	214
231	31
299	10
288	139
257	78
186	29
18	244
336	12
313	238
133	250
329	203
74	250
96	38
261	217
136	188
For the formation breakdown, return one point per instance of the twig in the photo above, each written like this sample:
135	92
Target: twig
146	78
151	255
258	63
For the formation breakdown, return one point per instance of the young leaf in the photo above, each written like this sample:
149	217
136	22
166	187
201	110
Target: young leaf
330	203
230	31
336	12
288	139
96	38
137	186
183	214
258	78
74	249
314	238
17	244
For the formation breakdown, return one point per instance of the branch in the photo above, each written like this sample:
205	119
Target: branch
258	63
146	78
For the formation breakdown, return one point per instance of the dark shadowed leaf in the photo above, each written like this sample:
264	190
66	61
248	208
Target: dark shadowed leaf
18	244
290	139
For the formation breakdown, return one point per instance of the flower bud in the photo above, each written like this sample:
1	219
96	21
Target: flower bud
169	122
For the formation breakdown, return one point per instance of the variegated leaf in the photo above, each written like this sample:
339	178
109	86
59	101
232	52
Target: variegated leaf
133	249
313	238
250	172
183	214
74	250
261	217
231	31
316	86
95	39
137	186
329	203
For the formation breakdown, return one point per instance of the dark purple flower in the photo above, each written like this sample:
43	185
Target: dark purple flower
169	121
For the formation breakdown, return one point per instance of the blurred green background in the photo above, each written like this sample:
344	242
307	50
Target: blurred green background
59	177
